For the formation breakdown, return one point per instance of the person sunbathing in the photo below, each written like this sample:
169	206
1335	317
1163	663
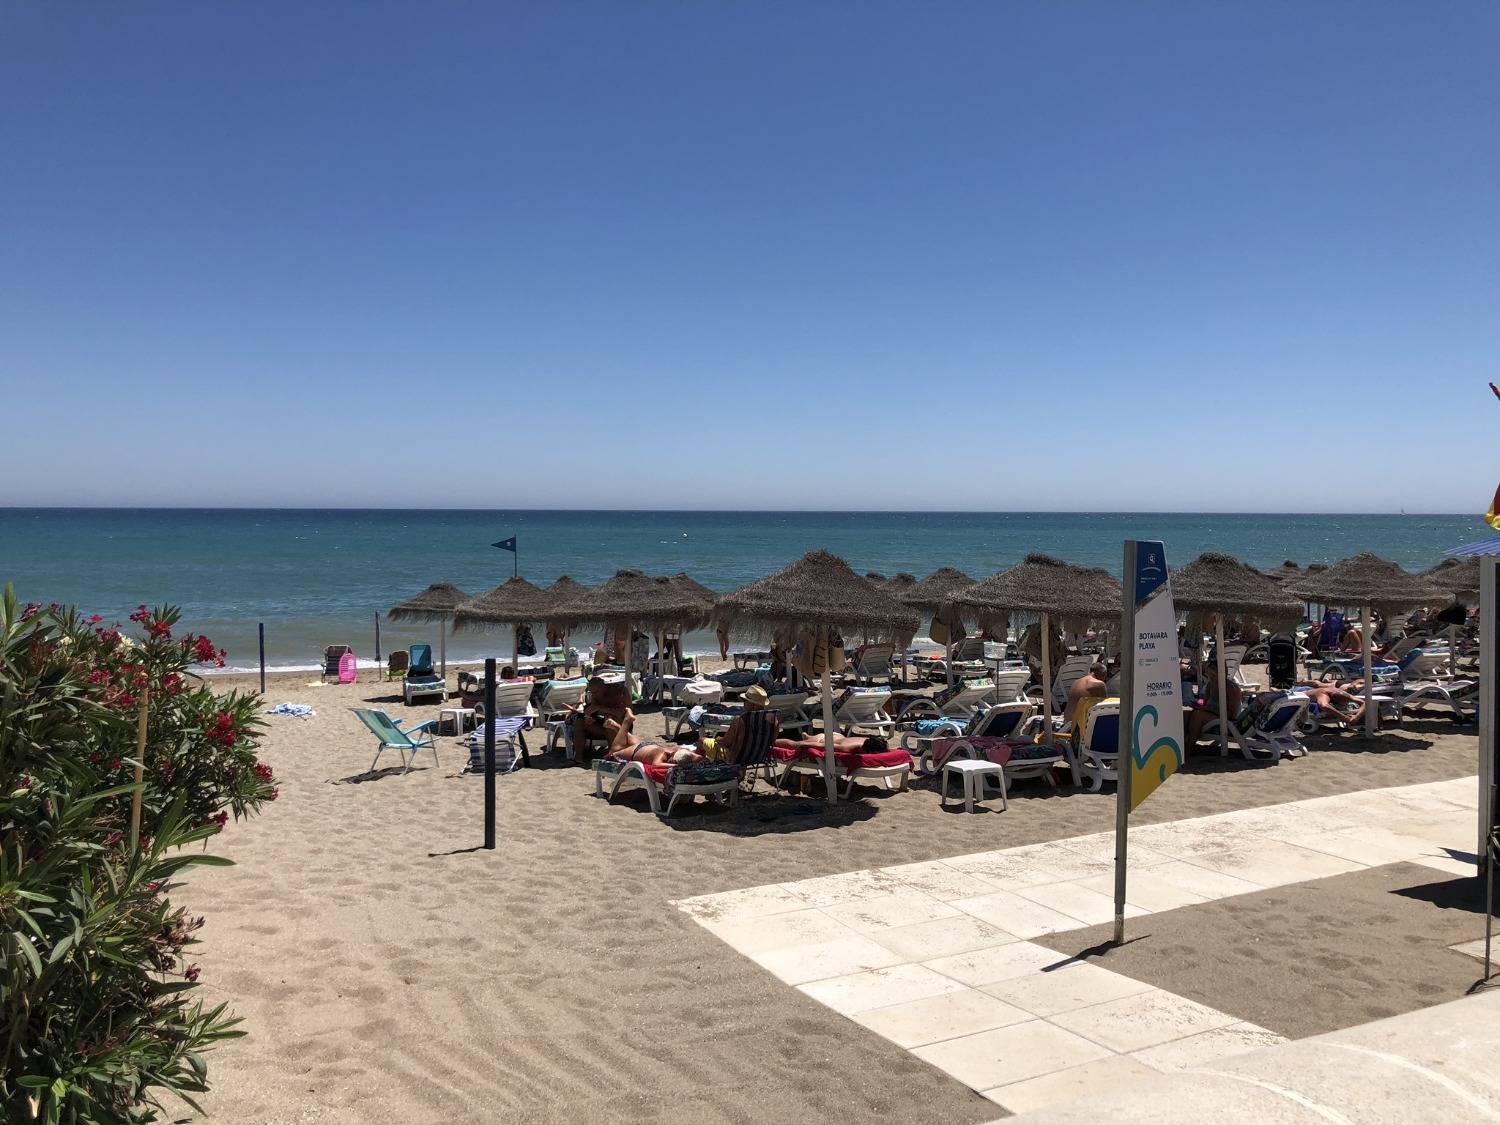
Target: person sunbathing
842	744
626	747
1336	698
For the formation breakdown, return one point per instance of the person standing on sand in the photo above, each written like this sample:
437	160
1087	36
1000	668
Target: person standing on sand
723	635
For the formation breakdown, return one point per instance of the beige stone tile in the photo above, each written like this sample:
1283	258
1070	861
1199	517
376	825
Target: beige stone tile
835	890
880	988
751	902
1011	1054
1076	985
1208	1046
947	1016
823	959
1272	863
1103	1076
941	937
1019	867
906	908
1142	1020
1145	891
996	963
939	880
777	931
1016	915
1090	907
1202	881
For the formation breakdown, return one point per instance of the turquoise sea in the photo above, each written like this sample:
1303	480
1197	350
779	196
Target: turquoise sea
319	577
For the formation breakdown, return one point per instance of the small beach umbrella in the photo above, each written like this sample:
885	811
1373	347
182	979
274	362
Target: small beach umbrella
563	590
820	592
1460	577
692	587
1221	585
436	603
1368	581
631	598
896	585
1049	588
931	596
515	602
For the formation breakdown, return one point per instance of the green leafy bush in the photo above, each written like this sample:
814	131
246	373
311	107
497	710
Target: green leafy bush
96	989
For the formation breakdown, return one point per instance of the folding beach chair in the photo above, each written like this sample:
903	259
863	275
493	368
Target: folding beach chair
333	655
391	736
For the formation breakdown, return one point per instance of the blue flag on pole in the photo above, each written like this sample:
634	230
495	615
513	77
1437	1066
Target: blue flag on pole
506	544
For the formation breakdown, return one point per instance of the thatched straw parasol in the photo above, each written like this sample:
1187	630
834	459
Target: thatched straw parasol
821	592
631	598
1051	588
930	596
1221	584
436	603
1369	581
692	586
897	584
515	602
1460	577
1287	570
874	576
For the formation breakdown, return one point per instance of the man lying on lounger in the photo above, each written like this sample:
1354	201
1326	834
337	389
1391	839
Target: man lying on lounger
842	744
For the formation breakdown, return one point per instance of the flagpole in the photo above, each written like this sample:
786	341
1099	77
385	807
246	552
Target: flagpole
1124	764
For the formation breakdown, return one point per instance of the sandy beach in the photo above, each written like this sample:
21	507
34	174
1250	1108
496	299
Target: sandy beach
387	970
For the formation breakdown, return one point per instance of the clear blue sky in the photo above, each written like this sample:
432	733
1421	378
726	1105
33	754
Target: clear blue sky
994	255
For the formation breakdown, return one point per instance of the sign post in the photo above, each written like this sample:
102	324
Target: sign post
489	754
1150	748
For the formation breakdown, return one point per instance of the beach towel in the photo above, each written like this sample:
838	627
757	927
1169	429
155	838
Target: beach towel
299	710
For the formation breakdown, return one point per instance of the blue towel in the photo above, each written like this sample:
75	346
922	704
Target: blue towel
300	710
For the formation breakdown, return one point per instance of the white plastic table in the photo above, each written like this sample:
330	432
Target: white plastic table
463	718
973	771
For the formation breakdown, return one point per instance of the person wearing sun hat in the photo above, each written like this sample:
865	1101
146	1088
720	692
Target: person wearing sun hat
727	748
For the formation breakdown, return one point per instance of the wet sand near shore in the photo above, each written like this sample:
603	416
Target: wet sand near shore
388	970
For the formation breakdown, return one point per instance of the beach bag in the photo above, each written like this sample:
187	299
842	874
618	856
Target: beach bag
1281	660
525	645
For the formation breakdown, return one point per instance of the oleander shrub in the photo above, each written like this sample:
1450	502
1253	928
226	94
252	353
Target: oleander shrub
98	1012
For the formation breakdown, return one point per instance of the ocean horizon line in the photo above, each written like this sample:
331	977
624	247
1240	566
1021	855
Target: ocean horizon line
726	511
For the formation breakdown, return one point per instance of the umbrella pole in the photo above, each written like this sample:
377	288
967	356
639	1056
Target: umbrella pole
1223	686
515	651
828	732
443	648
1453	652
1046	680
629	652
1364	644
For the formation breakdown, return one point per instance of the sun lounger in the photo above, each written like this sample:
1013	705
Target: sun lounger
421	678
699	779
960	701
892	768
1099	749
1073	669
1267	730
1003	721
751	658
397	664
863	709
513	701
390	736
333	656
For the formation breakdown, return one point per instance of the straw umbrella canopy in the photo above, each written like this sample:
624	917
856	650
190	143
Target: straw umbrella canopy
1287	570
1460	577
631	598
564	590
693	588
1049	588
436	603
874	576
1368	581
1221	585
819	591
515	602
931	595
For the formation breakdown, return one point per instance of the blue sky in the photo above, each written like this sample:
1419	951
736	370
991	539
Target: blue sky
988	255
